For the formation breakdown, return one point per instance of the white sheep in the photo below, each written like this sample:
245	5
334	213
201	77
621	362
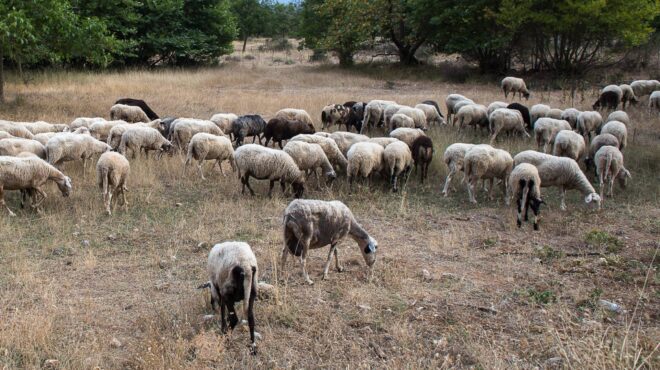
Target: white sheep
329	146
525	184
15	146
472	114
313	224
292	114
115	133
183	129
496	105
545	130
538	111
128	113
554	113
205	147
112	171
390	110
263	163
641	88
654	101
505	120
45	136
483	162
309	157
531	157
143	138
609	166
570	115
619	130
15	130
432	114
620	116
628	95
68	146
84	122
451	101
453	158
373	113
417	115
100	130
345	140
401	120
384	141
407	135
364	159
224	121
588	122
398	161
514	85
233	275
598	142
6	135
29	173
39	127
569	144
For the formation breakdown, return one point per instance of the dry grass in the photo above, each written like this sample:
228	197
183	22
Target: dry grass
73	279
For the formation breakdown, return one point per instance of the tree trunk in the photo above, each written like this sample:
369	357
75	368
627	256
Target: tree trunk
2	76
245	42
407	57
345	58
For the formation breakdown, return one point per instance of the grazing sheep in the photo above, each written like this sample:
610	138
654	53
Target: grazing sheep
364	159
453	158
609	166
384	141
619	130
545	131
45	136
506	120
329	147
524	112
628	95
84	122
68	146
495	105
654	101
570	115
525	185
433	116
39	127
139	103
569	144
472	114
487	163
598	142
333	114
166	126
538	111
143	138
397	161
291	114
554	113
313	224
620	116
15	146
407	135
608	100
280	129
373	113
112	171
417	115
183	129
435	105
345	140
29	173
6	135
451	101
561	172
100	130
233	275
641	88
207	147
128	113
355	116
248	125
514	85
401	120
114	136
265	163
309	157
388	111
15	130
588	122
224	121
422	154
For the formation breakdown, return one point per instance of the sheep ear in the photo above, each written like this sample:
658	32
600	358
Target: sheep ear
588	198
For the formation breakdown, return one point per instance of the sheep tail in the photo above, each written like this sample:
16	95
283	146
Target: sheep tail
290	239
607	167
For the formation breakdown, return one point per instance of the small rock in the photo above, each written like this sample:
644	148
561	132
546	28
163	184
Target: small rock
178	204
602	261
207	318
610	306
426	275
202	246
51	364
112	237
75	233
85	243
537	260
57	251
163	264
115	343
364	307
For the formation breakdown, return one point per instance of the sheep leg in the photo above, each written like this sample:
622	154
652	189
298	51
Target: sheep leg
200	168
562	206
283	186
270	188
535	210
280	144
337	265
470	188
219	162
123	197
303	257
246	182
3	203
491	187
611	186
285	253
519	212
505	190
445	190
327	262
250	317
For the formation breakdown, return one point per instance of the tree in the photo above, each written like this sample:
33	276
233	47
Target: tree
250	16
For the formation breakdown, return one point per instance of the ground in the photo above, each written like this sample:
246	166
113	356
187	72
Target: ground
455	284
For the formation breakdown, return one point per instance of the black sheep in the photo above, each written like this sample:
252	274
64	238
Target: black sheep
608	100
355	115
422	153
280	129
139	103
524	112
248	125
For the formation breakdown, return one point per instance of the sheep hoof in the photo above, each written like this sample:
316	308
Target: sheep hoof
309	281
340	269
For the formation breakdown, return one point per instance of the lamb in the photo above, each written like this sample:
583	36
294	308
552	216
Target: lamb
495	105
554	113
561	172
388	111
313	224
609	166
15	130
432	114
329	147
115	133
205	147
45	136
112	171
139	103
597	143
68	146
401	120
608	99
654	101
248	125
570	115
265	163
100	130
628	95
233	275
407	135
453	158
569	144
224	121
514	85
84	122
30	173
619	130
373	113
345	140
383	141
280	129
295	115
487	163
398	161
417	116
641	88
333	114
620	116
15	146
538	111
422	154
128	113
144	138
588	122
183	129
525	185
309	157
364	159
472	114
524	112
545	130
451	101
506	120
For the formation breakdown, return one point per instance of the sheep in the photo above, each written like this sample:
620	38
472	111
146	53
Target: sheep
15	146
401	120
388	111
570	115
495	105
325	134
15	130
422	154
451	101
364	159
417	115
345	140
139	103
407	135
620	116
29	173
432	114
100	130
309	157
224	121
545	131
6	135
265	163
608	100
524	112
453	158
84	122
619	130
39	127
487	163
628	95
514	85
554	113
68	146
588	122
144	138
280	129
166	125
609	166
112	171
183	129
329	147
654	101
472	114
333	114
641	88
569	144
355	116
525	184
561	172
506	120
294	115
435	105
313	224
248	125
384	141
233	275
373	113
128	113
45	136
597	143
115	133
205	147
538	111
397	161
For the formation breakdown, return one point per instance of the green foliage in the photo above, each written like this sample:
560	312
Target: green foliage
547	254
541	297
601	239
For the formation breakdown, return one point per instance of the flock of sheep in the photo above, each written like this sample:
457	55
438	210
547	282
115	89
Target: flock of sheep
32	152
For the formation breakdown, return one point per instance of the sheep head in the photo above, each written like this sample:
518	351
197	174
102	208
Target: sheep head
65	186
368	248
593	198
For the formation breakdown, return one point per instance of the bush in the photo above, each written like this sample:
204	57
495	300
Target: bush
278	44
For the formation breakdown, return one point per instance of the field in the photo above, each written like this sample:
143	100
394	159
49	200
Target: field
79	289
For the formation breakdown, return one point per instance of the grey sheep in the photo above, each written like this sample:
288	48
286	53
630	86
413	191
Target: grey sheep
268	164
